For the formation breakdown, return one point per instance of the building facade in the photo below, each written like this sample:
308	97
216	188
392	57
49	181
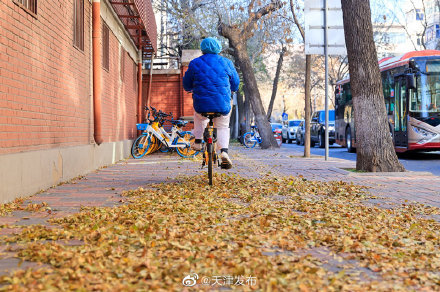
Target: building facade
69	87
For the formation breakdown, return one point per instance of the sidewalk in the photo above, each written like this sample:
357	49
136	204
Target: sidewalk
104	187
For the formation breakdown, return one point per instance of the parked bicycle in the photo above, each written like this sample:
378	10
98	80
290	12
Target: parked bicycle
250	139
154	136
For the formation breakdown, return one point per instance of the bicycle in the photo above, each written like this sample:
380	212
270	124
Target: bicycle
178	139
156	138
210	138
143	144
250	139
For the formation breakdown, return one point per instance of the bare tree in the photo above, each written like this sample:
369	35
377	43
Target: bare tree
275	81
399	16
307	86
375	150
238	35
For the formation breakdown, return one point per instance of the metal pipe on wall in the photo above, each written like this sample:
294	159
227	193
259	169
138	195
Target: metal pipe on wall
96	37
150	85
139	77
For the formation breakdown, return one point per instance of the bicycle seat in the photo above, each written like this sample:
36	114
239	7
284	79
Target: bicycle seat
211	115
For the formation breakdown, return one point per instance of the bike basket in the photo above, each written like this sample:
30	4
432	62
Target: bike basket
141	127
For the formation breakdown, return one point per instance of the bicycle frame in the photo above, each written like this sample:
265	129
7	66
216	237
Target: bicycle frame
174	138
160	133
256	137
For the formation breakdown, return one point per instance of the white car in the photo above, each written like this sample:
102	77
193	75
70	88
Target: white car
289	130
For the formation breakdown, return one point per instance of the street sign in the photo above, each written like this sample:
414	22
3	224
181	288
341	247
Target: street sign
314	27
285	116
324	35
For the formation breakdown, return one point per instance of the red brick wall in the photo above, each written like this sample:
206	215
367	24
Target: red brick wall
119	97
45	82
167	94
188	109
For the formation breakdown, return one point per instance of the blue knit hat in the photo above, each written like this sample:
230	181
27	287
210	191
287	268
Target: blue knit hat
210	46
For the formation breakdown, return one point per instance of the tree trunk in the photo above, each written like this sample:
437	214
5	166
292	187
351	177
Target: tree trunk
307	105
375	150
307	86
232	122
247	109
268	140
238	43
241	115
238	35
275	83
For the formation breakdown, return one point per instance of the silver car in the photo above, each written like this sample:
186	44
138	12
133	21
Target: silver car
300	133
289	130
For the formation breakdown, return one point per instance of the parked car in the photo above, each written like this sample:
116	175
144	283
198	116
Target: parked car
277	132
299	135
317	128
289	130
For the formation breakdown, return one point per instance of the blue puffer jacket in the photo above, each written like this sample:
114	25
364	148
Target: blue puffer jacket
211	78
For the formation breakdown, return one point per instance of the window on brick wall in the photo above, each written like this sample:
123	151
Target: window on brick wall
122	67
105	47
78	24
30	5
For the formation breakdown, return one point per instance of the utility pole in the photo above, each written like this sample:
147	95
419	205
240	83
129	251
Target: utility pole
326	77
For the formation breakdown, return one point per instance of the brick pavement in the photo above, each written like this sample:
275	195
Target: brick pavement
104	186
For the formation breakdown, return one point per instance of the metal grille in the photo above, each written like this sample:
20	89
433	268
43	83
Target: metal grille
78	21
31	5
138	19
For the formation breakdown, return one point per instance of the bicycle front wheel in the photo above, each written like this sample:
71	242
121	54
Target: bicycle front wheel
249	140
140	146
187	151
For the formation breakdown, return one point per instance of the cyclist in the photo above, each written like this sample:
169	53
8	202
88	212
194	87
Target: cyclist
211	78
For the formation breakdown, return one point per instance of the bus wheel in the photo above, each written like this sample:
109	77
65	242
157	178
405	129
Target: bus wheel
349	141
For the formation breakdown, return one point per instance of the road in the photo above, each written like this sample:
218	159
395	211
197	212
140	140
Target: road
421	161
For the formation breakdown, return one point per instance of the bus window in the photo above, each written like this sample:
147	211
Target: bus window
426	99
403	104
396	109
388	91
346	93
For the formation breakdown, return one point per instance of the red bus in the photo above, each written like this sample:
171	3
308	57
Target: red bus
411	88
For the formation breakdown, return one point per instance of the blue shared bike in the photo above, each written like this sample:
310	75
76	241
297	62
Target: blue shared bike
250	139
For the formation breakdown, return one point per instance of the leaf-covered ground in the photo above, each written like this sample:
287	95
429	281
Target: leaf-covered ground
288	234
17	205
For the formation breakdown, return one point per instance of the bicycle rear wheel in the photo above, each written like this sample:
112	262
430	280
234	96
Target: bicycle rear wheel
249	140
151	145
140	146
187	152
209	149
164	148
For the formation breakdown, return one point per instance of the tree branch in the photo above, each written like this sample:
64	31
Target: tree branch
249	28
295	19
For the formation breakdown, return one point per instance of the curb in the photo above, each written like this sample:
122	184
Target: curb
385	174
